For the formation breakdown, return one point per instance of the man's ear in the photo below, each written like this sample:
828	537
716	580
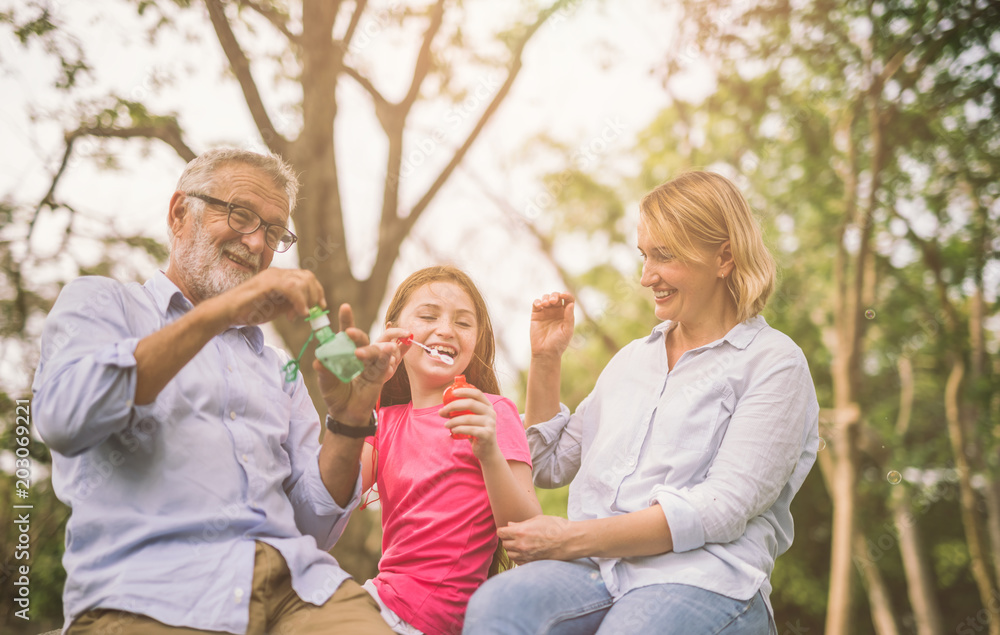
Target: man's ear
178	213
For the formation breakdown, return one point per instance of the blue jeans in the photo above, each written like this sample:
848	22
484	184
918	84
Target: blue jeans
569	598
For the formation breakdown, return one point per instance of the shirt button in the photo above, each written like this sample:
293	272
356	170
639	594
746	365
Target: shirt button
245	458
232	414
128	404
631	462
229	368
237	595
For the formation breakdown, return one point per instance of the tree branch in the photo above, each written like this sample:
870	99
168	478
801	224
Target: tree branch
393	229
932	52
277	19
547	249
352	26
240	65
932	259
364	82
47	200
165	129
515	68
423	65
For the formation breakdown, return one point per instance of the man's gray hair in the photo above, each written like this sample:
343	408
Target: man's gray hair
198	174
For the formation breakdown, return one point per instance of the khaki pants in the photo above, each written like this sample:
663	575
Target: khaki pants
275	609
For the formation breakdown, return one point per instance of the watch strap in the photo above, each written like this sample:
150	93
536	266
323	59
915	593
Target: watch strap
355	432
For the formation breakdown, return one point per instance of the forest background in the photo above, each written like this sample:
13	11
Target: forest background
514	140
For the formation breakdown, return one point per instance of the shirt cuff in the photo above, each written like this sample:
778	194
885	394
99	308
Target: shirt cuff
686	528
545	433
120	354
318	497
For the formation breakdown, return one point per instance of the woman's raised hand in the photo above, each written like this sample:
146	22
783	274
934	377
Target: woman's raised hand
551	324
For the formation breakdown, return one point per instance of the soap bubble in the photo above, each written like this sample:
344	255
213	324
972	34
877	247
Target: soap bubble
870	314
822	444
894	477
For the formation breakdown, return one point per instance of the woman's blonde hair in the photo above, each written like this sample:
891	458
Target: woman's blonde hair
481	372
705	209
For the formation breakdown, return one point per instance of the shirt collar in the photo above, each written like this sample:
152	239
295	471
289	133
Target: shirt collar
166	294
739	336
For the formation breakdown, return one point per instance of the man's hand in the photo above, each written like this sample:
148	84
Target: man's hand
273	292
538	538
270	293
352	403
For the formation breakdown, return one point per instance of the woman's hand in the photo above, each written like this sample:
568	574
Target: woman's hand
551	324
538	538
481	424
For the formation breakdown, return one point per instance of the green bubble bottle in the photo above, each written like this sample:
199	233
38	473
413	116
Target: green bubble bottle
335	350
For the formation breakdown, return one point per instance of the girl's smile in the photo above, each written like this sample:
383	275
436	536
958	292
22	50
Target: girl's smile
441	317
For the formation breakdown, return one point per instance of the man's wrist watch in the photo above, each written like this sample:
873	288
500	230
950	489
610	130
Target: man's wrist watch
355	432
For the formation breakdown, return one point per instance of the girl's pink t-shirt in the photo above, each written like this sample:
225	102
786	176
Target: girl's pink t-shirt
438	531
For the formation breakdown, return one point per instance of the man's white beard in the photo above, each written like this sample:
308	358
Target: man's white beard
205	273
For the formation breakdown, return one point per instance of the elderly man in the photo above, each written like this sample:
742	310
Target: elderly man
202	499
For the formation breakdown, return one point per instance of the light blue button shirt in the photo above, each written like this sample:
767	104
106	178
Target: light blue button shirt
722	442
169	498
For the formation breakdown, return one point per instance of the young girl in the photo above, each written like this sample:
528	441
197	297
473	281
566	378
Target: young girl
443	498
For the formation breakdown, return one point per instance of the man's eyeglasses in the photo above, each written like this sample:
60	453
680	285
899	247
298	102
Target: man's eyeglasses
247	221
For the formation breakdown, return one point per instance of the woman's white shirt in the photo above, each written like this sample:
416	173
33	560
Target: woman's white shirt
722	443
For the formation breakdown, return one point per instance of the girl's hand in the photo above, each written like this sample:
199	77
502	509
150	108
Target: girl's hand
551	324
481	425
395	336
538	538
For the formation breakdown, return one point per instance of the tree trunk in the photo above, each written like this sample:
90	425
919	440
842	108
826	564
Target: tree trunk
918	571
916	567
843	485
977	342
883	616
971	520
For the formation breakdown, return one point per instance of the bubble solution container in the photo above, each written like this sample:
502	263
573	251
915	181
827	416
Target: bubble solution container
335	350
449	397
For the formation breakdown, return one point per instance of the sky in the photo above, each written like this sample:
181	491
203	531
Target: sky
587	82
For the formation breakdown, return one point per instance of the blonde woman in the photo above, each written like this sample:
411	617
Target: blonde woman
683	461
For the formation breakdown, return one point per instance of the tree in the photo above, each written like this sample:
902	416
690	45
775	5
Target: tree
829	111
321	45
865	134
